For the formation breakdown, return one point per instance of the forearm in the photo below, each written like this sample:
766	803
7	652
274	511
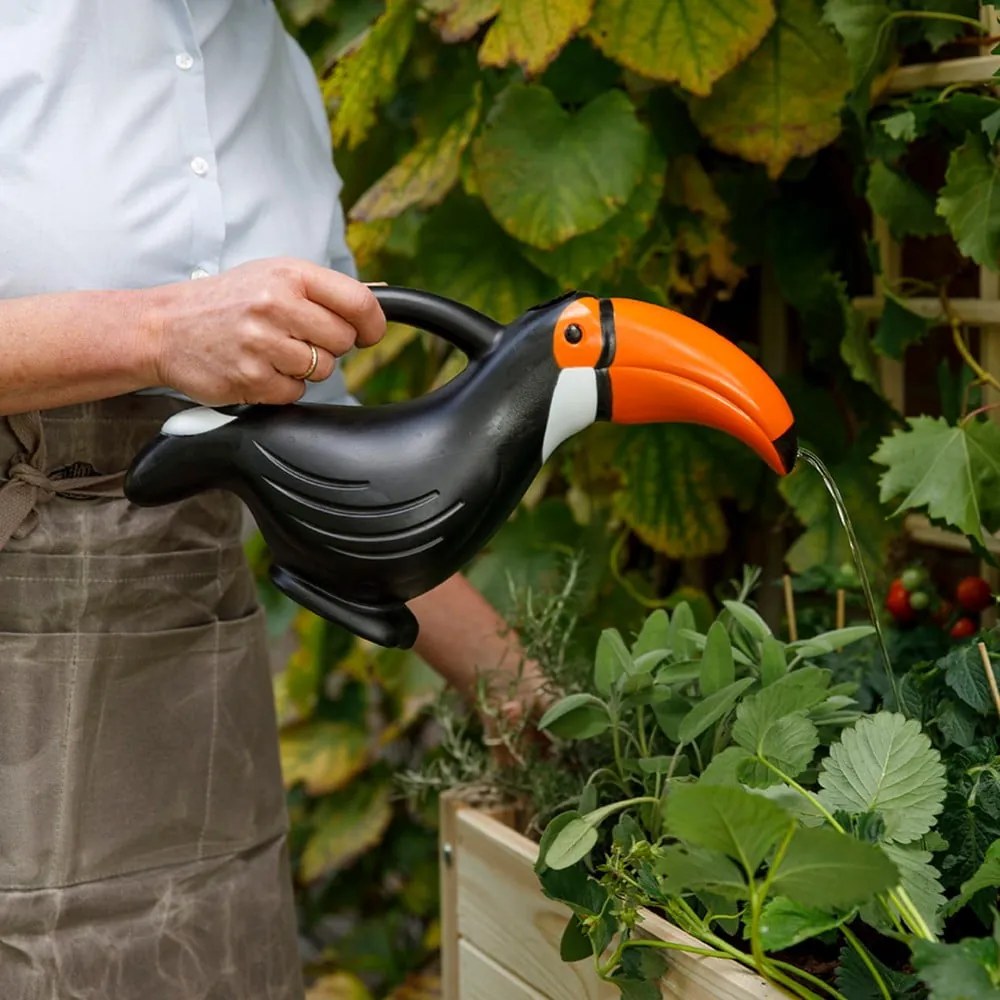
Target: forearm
462	637
71	347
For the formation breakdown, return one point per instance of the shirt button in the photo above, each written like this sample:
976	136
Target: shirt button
184	60
199	272
200	166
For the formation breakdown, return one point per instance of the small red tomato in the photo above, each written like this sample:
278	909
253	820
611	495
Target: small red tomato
897	603
963	628
973	593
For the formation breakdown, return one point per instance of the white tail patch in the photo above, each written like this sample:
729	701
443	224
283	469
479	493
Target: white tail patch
573	407
197	420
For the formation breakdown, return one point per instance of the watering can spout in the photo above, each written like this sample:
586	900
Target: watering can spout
664	367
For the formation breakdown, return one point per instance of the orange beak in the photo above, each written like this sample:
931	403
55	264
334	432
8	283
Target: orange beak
667	368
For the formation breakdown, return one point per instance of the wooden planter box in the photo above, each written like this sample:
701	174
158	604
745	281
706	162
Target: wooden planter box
500	935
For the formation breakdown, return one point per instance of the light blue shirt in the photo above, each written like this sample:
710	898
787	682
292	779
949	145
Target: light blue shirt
152	141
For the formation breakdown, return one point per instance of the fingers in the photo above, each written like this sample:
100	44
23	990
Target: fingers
294	358
314	324
346	298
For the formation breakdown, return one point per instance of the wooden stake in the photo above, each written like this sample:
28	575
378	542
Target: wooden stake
793	628
841	607
991	679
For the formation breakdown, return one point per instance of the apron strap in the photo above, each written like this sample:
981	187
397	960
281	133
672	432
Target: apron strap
27	484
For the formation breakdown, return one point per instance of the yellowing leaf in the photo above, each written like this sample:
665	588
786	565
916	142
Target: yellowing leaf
367	76
458	20
418	986
426	173
323	755
346	824
547	175
785	100
689	42
531	33
338	986
366	240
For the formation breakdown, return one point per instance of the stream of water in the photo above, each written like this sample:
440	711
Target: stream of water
859	565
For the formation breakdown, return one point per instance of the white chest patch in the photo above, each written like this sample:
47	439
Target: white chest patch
197	420
574	406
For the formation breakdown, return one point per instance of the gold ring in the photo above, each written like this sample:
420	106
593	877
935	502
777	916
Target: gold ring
312	365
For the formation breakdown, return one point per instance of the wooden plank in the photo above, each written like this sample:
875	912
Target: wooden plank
974	311
483	979
989	358
503	914
973	69
448	811
892	373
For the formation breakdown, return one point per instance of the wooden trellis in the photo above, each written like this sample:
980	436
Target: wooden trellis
982	312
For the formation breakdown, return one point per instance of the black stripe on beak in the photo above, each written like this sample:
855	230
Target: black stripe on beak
607	334
603	394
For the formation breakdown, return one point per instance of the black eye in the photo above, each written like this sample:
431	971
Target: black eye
573	334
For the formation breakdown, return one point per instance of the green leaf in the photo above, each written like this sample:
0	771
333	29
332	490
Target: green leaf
920	879
574	887
987	876
956	722
906	207
366	77
323	755
574	946
831	870
829	642
856	983
899	329
573	262
681	624
574	841
970	831
737	823
427	172
784	923
902	125
886	764
724	767
991	126
681	41
654	634
970	202
964	674
856	348
788	741
963	971
773	664
695	869
612	661
576	717
860	24
532	36
708	711
718	670
785	99
824	542
555	826
748	618
947	470
345	825
547	175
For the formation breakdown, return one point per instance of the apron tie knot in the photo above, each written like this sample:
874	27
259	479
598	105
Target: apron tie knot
27	485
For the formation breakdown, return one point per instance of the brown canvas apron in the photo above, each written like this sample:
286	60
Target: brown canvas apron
142	817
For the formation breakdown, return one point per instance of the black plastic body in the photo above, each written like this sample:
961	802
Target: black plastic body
364	508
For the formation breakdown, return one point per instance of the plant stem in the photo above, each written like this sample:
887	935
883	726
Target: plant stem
866	958
962	347
673	946
809	978
813	801
990	678
641	730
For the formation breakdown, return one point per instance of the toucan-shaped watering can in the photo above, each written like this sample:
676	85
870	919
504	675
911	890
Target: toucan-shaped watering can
364	508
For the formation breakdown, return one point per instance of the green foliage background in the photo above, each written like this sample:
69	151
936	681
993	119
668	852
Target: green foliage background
726	159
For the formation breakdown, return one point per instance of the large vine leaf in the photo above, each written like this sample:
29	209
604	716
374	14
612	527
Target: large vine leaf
898	329
861	25
338	986
672	484
459	20
531	33
427	172
905	205
547	175
785	100
970	202
953	472
573	262
967	970
684	41
886	764
464	255
824	542
366	77
323	755
345	825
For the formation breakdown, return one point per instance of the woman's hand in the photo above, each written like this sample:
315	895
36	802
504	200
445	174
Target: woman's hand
246	336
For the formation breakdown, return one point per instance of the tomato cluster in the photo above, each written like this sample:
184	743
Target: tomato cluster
912	597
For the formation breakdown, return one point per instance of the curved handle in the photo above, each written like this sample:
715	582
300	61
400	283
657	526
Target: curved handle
470	331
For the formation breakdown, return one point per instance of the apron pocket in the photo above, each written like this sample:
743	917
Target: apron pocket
127	751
